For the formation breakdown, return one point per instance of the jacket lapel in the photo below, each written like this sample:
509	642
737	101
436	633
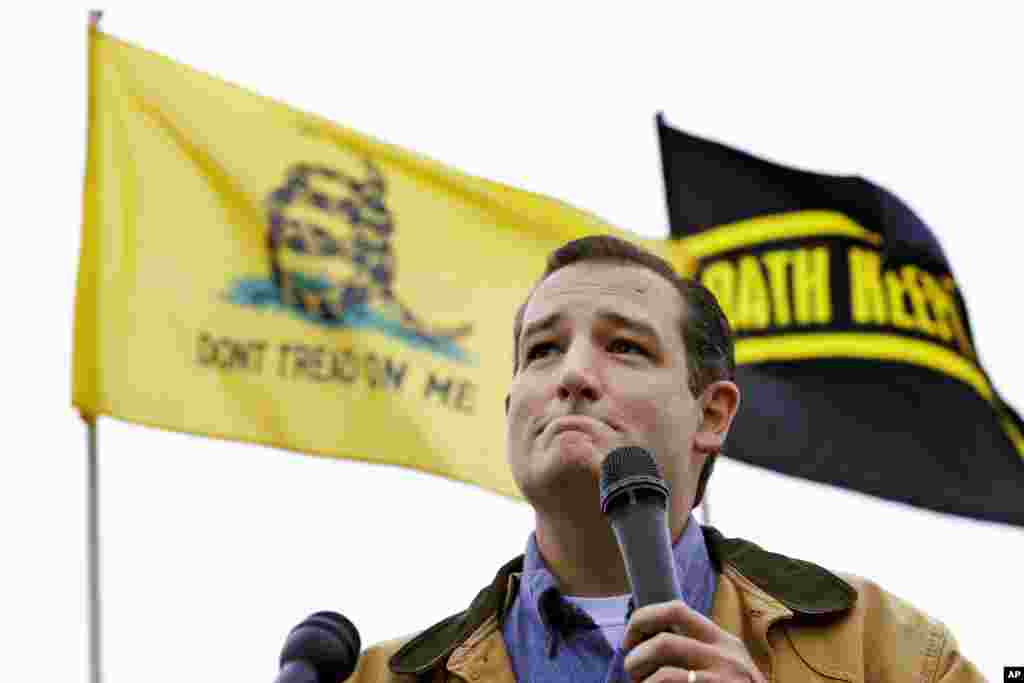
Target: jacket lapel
431	647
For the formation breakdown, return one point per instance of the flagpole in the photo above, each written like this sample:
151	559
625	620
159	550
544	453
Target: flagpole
93	516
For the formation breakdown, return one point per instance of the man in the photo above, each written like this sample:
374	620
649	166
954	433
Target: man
612	348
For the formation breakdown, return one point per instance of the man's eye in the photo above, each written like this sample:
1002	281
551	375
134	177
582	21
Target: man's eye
626	346
540	350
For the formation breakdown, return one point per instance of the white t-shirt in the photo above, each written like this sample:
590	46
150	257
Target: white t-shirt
608	613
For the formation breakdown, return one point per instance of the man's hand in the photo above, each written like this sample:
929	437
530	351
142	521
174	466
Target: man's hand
668	641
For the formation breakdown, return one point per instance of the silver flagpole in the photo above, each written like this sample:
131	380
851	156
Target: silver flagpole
95	642
93	520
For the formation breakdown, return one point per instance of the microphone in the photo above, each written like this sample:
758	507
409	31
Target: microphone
323	648
634	497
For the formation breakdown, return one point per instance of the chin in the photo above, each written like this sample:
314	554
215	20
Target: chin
571	469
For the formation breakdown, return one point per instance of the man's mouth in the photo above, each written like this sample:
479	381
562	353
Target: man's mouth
577	423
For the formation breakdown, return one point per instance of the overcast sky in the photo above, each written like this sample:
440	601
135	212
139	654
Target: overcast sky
213	550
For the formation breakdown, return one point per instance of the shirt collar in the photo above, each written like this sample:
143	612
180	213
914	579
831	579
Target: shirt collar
539	593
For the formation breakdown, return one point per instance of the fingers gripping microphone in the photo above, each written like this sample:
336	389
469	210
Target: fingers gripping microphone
634	497
324	648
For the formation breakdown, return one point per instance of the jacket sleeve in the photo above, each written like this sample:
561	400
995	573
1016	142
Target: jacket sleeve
882	639
905	643
950	665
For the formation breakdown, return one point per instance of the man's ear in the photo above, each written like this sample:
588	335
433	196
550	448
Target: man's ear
719	402
507	398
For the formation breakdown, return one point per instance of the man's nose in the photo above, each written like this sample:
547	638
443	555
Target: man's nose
579	378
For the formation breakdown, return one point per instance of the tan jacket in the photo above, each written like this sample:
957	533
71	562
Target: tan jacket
798	621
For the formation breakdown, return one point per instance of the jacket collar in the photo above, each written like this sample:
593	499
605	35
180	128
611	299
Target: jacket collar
804	588
433	646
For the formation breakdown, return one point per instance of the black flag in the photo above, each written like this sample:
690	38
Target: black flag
854	351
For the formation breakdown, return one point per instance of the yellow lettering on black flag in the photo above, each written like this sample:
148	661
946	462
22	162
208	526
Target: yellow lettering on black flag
256	273
775	275
853	346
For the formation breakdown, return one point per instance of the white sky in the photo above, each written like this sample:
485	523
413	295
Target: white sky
213	550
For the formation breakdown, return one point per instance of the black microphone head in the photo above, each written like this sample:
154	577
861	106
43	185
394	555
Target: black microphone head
328	642
627	471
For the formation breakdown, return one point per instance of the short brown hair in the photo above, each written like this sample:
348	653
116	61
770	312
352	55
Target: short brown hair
706	334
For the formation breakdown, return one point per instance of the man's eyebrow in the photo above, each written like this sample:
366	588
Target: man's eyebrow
552	319
545	323
629	323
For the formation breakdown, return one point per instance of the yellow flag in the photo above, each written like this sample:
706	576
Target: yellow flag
252	272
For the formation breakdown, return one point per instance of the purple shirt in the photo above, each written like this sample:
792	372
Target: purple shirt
549	639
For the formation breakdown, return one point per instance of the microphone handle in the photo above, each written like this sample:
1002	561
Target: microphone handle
642	532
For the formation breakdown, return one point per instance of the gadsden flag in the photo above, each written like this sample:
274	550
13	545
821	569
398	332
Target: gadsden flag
854	349
253	272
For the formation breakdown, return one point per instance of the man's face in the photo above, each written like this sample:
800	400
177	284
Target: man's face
602	365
